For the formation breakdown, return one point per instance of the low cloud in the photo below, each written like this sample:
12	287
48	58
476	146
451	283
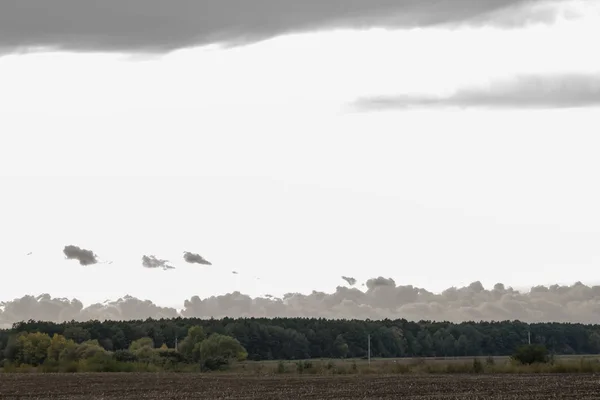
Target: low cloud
152	262
577	303
522	92
85	257
195	258
156	26
47	308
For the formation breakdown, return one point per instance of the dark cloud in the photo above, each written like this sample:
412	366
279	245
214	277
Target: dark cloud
576	303
351	281
85	257
157	26
152	262
195	258
527	91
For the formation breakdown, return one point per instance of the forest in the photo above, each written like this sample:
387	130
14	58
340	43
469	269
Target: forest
306	338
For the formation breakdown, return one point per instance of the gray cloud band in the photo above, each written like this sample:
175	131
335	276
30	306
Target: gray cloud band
383	299
542	92
157	26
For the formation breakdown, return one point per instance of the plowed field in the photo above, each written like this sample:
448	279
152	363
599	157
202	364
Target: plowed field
194	386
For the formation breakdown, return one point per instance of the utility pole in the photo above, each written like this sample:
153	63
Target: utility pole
175	343
529	337
369	347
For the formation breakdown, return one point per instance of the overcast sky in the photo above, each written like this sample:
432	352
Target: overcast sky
433	144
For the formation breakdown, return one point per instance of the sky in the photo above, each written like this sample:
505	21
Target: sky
434	143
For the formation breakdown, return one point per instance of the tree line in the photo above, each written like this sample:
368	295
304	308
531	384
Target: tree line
68	353
305	338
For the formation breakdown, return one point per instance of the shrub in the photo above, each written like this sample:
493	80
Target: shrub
68	367
124	356
477	366
280	367
214	364
530	354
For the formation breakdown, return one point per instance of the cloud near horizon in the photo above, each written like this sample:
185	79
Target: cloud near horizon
577	303
155	26
523	92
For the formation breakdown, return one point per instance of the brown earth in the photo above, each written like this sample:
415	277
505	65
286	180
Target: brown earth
196	386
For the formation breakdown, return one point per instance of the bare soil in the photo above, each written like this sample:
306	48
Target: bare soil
203	386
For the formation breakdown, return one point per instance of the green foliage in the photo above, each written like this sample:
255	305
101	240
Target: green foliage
221	346
140	344
76	334
529	354
304	338
143	350
87	349
214	364
124	356
477	366
174	357
340	347
60	345
190	346
280	367
32	348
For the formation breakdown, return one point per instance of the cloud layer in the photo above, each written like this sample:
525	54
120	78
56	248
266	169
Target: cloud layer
577	303
159	26
525	91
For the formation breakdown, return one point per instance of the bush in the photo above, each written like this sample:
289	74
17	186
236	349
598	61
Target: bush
531	354
100	362
50	366
280	367
477	366
214	364
124	356
68	367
